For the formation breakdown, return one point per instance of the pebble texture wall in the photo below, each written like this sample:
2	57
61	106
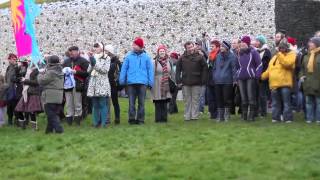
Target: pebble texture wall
172	22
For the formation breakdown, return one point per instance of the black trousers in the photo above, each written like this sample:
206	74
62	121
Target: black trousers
52	111
173	107
11	105
224	95
161	110
115	101
212	101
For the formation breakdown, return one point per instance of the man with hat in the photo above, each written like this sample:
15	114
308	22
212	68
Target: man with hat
137	73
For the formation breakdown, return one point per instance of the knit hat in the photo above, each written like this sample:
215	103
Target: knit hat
316	41
174	55
292	41
246	39
226	45
262	39
161	46
53	59
216	43
110	49
139	42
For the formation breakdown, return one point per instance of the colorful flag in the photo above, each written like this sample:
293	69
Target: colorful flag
24	13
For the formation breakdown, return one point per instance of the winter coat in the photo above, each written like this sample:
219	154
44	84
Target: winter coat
11	79
81	65
224	69
311	84
158	75
34	88
280	70
52	81
114	71
137	68
99	81
249	65
192	70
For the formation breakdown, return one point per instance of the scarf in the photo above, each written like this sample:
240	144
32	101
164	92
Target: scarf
26	87
213	54
311	62
164	84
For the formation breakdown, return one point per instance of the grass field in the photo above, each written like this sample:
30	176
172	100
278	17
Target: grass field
178	150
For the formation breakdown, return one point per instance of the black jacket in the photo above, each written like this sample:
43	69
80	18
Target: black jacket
114	71
34	88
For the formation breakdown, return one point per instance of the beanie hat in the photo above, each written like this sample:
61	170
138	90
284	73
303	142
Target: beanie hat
161	47
110	49
174	55
226	45
246	39
292	41
139	42
53	59
216	43
262	39
316	41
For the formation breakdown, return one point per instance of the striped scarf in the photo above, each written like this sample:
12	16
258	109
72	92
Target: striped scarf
164	87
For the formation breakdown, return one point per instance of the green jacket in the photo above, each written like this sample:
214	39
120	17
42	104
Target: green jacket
311	84
52	81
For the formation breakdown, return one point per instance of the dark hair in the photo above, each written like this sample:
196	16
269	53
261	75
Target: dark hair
73	48
53	59
11	55
96	45
187	44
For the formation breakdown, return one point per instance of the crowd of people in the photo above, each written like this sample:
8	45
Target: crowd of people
241	76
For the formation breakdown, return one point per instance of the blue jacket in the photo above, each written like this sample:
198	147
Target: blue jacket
137	68
224	71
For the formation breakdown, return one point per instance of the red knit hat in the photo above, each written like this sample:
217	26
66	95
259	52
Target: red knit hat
216	43
161	47
174	55
139	42
292	41
246	39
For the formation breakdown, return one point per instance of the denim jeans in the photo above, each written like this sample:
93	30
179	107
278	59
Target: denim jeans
136	91
248	91
281	104
100	110
313	108
202	100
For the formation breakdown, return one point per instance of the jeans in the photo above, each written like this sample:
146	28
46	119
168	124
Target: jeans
212	102
248	91
136	91
52	111
313	108
191	97
202	100
281	104
99	109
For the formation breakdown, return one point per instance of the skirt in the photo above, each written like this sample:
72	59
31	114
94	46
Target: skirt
33	104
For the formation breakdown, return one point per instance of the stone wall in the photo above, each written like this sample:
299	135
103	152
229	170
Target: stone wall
172	22
301	18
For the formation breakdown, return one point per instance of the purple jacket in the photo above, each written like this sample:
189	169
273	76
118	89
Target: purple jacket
249	65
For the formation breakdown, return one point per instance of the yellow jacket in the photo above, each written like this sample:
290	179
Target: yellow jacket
280	70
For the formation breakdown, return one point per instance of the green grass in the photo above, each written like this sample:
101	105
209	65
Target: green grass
178	150
7	4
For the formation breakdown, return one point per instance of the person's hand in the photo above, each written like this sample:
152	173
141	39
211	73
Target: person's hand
23	79
90	53
42	70
73	71
179	86
302	79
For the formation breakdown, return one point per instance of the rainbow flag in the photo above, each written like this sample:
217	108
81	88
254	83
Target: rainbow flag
23	14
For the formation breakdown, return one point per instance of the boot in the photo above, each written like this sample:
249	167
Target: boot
77	120
22	123
244	113
34	125
69	120
252	113
226	114
117	121
221	115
